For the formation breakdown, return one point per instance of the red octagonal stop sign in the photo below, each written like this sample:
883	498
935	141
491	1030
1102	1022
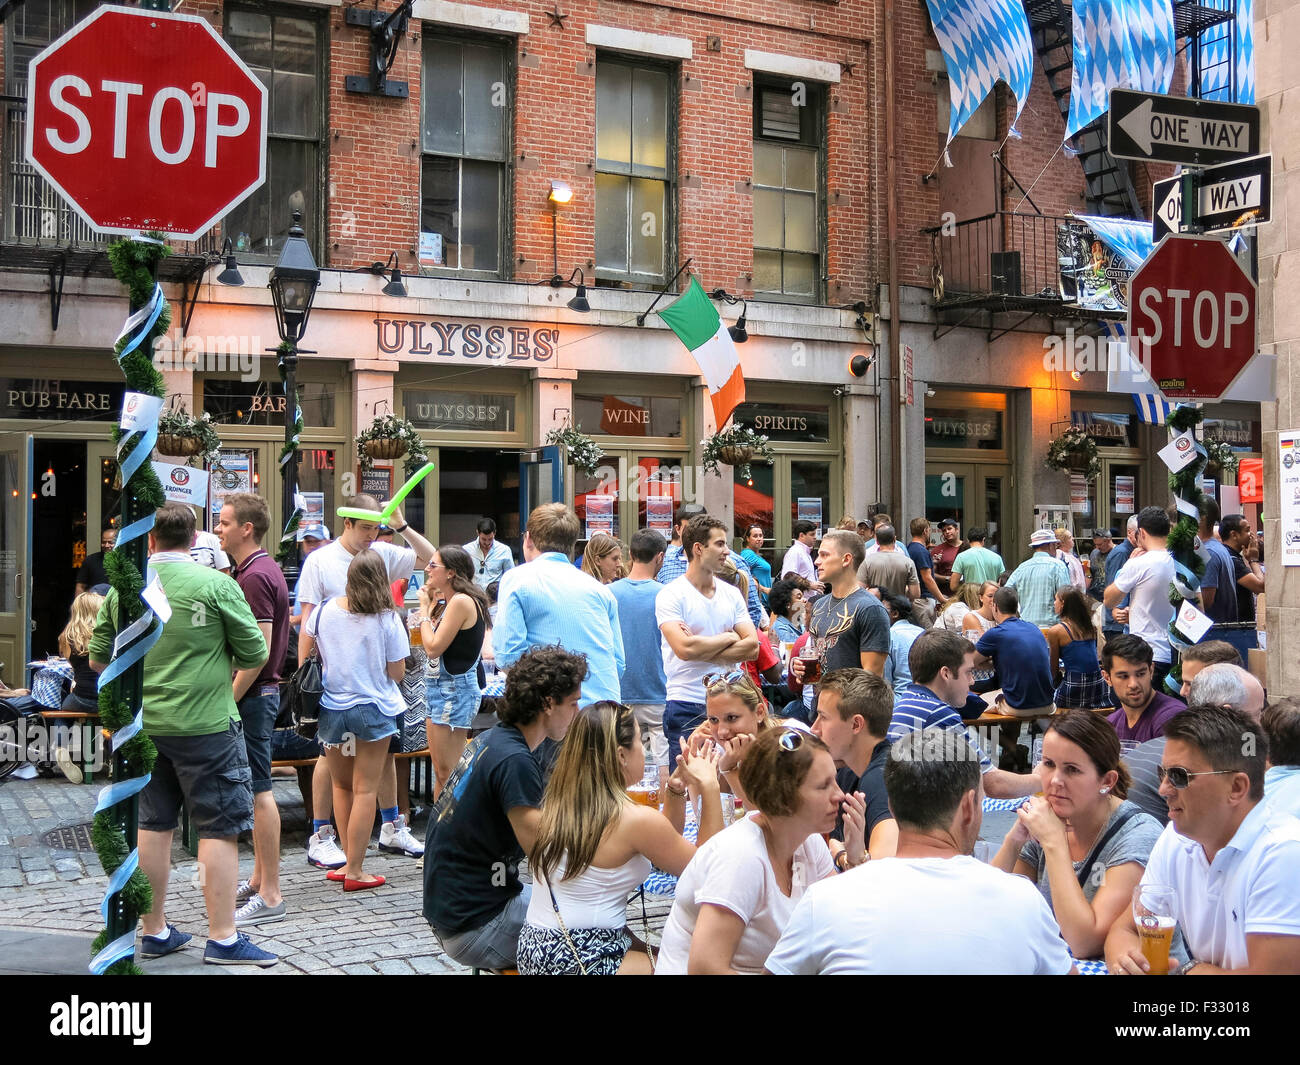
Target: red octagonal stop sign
1192	317
145	120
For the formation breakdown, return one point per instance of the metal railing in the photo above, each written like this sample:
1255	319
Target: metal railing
1002	254
35	214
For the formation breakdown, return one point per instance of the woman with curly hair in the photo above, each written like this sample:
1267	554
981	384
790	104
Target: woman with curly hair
595	845
603	558
786	603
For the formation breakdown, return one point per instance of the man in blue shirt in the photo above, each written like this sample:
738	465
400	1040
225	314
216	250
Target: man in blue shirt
1038	577
1023	660
1114	563
918	550
643	685
902	634
1218	588
490	556
675	560
549	602
941	663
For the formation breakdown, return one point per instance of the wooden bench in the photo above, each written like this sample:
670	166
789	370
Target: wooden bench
87	763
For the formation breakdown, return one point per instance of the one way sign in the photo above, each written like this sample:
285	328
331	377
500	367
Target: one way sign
1174	129
1228	197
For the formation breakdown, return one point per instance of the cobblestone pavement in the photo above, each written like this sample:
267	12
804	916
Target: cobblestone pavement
325	931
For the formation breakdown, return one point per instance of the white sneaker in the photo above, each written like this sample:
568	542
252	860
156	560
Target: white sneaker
323	850
66	766
396	838
243	892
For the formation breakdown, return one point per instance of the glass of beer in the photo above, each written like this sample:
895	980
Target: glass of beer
812	663
644	795
414	620
1154	916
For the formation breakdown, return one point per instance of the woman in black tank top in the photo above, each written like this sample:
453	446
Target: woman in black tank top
454	619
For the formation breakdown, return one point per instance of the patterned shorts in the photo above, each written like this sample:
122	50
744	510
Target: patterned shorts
545	951
1086	690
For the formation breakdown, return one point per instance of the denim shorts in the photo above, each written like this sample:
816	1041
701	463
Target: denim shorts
209	774
364	722
453	698
258	711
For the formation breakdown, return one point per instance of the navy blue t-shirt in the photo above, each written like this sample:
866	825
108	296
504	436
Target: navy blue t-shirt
1023	660
920	554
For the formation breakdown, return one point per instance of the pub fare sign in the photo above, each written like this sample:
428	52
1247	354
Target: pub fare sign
466	340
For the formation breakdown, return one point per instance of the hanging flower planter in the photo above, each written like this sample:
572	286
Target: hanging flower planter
183	436
1074	450
738	446
580	449
389	438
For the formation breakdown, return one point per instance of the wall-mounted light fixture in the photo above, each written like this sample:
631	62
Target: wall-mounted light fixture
394	286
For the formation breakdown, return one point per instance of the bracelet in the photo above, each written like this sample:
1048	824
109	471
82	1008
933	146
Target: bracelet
1188	968
402	528
674	791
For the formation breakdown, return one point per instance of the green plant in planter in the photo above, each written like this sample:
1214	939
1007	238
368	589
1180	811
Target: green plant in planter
391	437
582	451
738	446
1218	453
1076	451
181	435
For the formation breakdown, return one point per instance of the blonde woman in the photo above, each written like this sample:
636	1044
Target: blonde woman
363	647
595	845
952	612
603	558
735	715
73	643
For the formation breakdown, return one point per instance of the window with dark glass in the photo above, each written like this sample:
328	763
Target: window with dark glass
285	50
466	144
633	183
788	135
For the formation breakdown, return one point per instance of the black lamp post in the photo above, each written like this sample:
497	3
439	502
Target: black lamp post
293	287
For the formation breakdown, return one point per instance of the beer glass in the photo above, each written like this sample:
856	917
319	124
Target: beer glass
1153	914
812	663
414	620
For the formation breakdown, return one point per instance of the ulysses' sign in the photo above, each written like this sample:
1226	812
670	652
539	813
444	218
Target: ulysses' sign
465	340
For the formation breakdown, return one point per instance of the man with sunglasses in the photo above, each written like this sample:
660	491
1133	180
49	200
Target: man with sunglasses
1232	862
491	557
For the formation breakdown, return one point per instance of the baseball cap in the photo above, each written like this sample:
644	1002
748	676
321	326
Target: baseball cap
946	522
1042	536
1103	532
315	532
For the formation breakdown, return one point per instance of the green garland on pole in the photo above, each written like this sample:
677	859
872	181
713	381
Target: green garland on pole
1185	485
134	263
289	453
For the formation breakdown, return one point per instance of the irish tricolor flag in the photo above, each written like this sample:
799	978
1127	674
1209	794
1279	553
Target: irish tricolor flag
697	325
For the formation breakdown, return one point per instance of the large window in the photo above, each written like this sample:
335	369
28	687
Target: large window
286	51
787	198
633	168
466	142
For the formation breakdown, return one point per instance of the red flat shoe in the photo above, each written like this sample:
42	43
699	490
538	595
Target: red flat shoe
361	885
335	874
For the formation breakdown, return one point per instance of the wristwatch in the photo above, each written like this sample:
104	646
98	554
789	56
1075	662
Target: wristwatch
401	528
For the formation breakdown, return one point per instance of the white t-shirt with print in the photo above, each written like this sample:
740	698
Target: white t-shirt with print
1145	580
732	870
681	601
325	571
915	916
207	551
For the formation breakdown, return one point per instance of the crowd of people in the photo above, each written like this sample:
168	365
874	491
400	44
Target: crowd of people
805	726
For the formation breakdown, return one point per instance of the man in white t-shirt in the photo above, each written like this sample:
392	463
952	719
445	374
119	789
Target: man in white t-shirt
705	626
325	576
206	551
1145	579
933	908
1232	861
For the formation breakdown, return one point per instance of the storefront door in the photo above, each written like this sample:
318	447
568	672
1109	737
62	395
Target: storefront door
15	541
541	480
804	487
102	492
1112	497
973	494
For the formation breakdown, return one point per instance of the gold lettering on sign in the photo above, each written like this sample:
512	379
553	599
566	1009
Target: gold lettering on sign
267	405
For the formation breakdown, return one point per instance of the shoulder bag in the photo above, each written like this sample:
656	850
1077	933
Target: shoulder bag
305	688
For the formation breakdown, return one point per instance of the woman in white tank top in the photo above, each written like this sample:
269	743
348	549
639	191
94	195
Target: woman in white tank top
595	845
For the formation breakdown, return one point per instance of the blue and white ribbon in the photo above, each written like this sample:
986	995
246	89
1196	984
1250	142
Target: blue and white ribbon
140	324
110	796
122	947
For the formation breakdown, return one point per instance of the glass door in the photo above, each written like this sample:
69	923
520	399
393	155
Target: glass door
541	480
15	548
971	495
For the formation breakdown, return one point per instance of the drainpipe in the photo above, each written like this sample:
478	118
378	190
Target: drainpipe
893	370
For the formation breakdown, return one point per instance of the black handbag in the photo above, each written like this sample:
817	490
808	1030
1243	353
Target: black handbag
303	693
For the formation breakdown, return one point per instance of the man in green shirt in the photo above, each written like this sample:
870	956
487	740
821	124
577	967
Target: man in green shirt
977	563
190	714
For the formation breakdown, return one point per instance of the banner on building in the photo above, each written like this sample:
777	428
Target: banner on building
232	473
1250	480
1093	275
183	484
1288	445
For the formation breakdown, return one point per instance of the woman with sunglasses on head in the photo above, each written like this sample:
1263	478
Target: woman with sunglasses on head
454	613
735	715
736	896
603	558
1082	841
595	845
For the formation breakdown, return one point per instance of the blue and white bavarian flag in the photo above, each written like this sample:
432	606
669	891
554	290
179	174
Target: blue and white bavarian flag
1218	42
1125	44
1152	409
983	42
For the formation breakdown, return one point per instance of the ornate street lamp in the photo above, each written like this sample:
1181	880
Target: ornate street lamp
293	287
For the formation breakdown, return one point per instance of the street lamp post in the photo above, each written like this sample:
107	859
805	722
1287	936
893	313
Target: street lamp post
293	287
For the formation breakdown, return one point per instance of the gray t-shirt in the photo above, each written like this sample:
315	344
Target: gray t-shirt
892	570
1143	763
1132	843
